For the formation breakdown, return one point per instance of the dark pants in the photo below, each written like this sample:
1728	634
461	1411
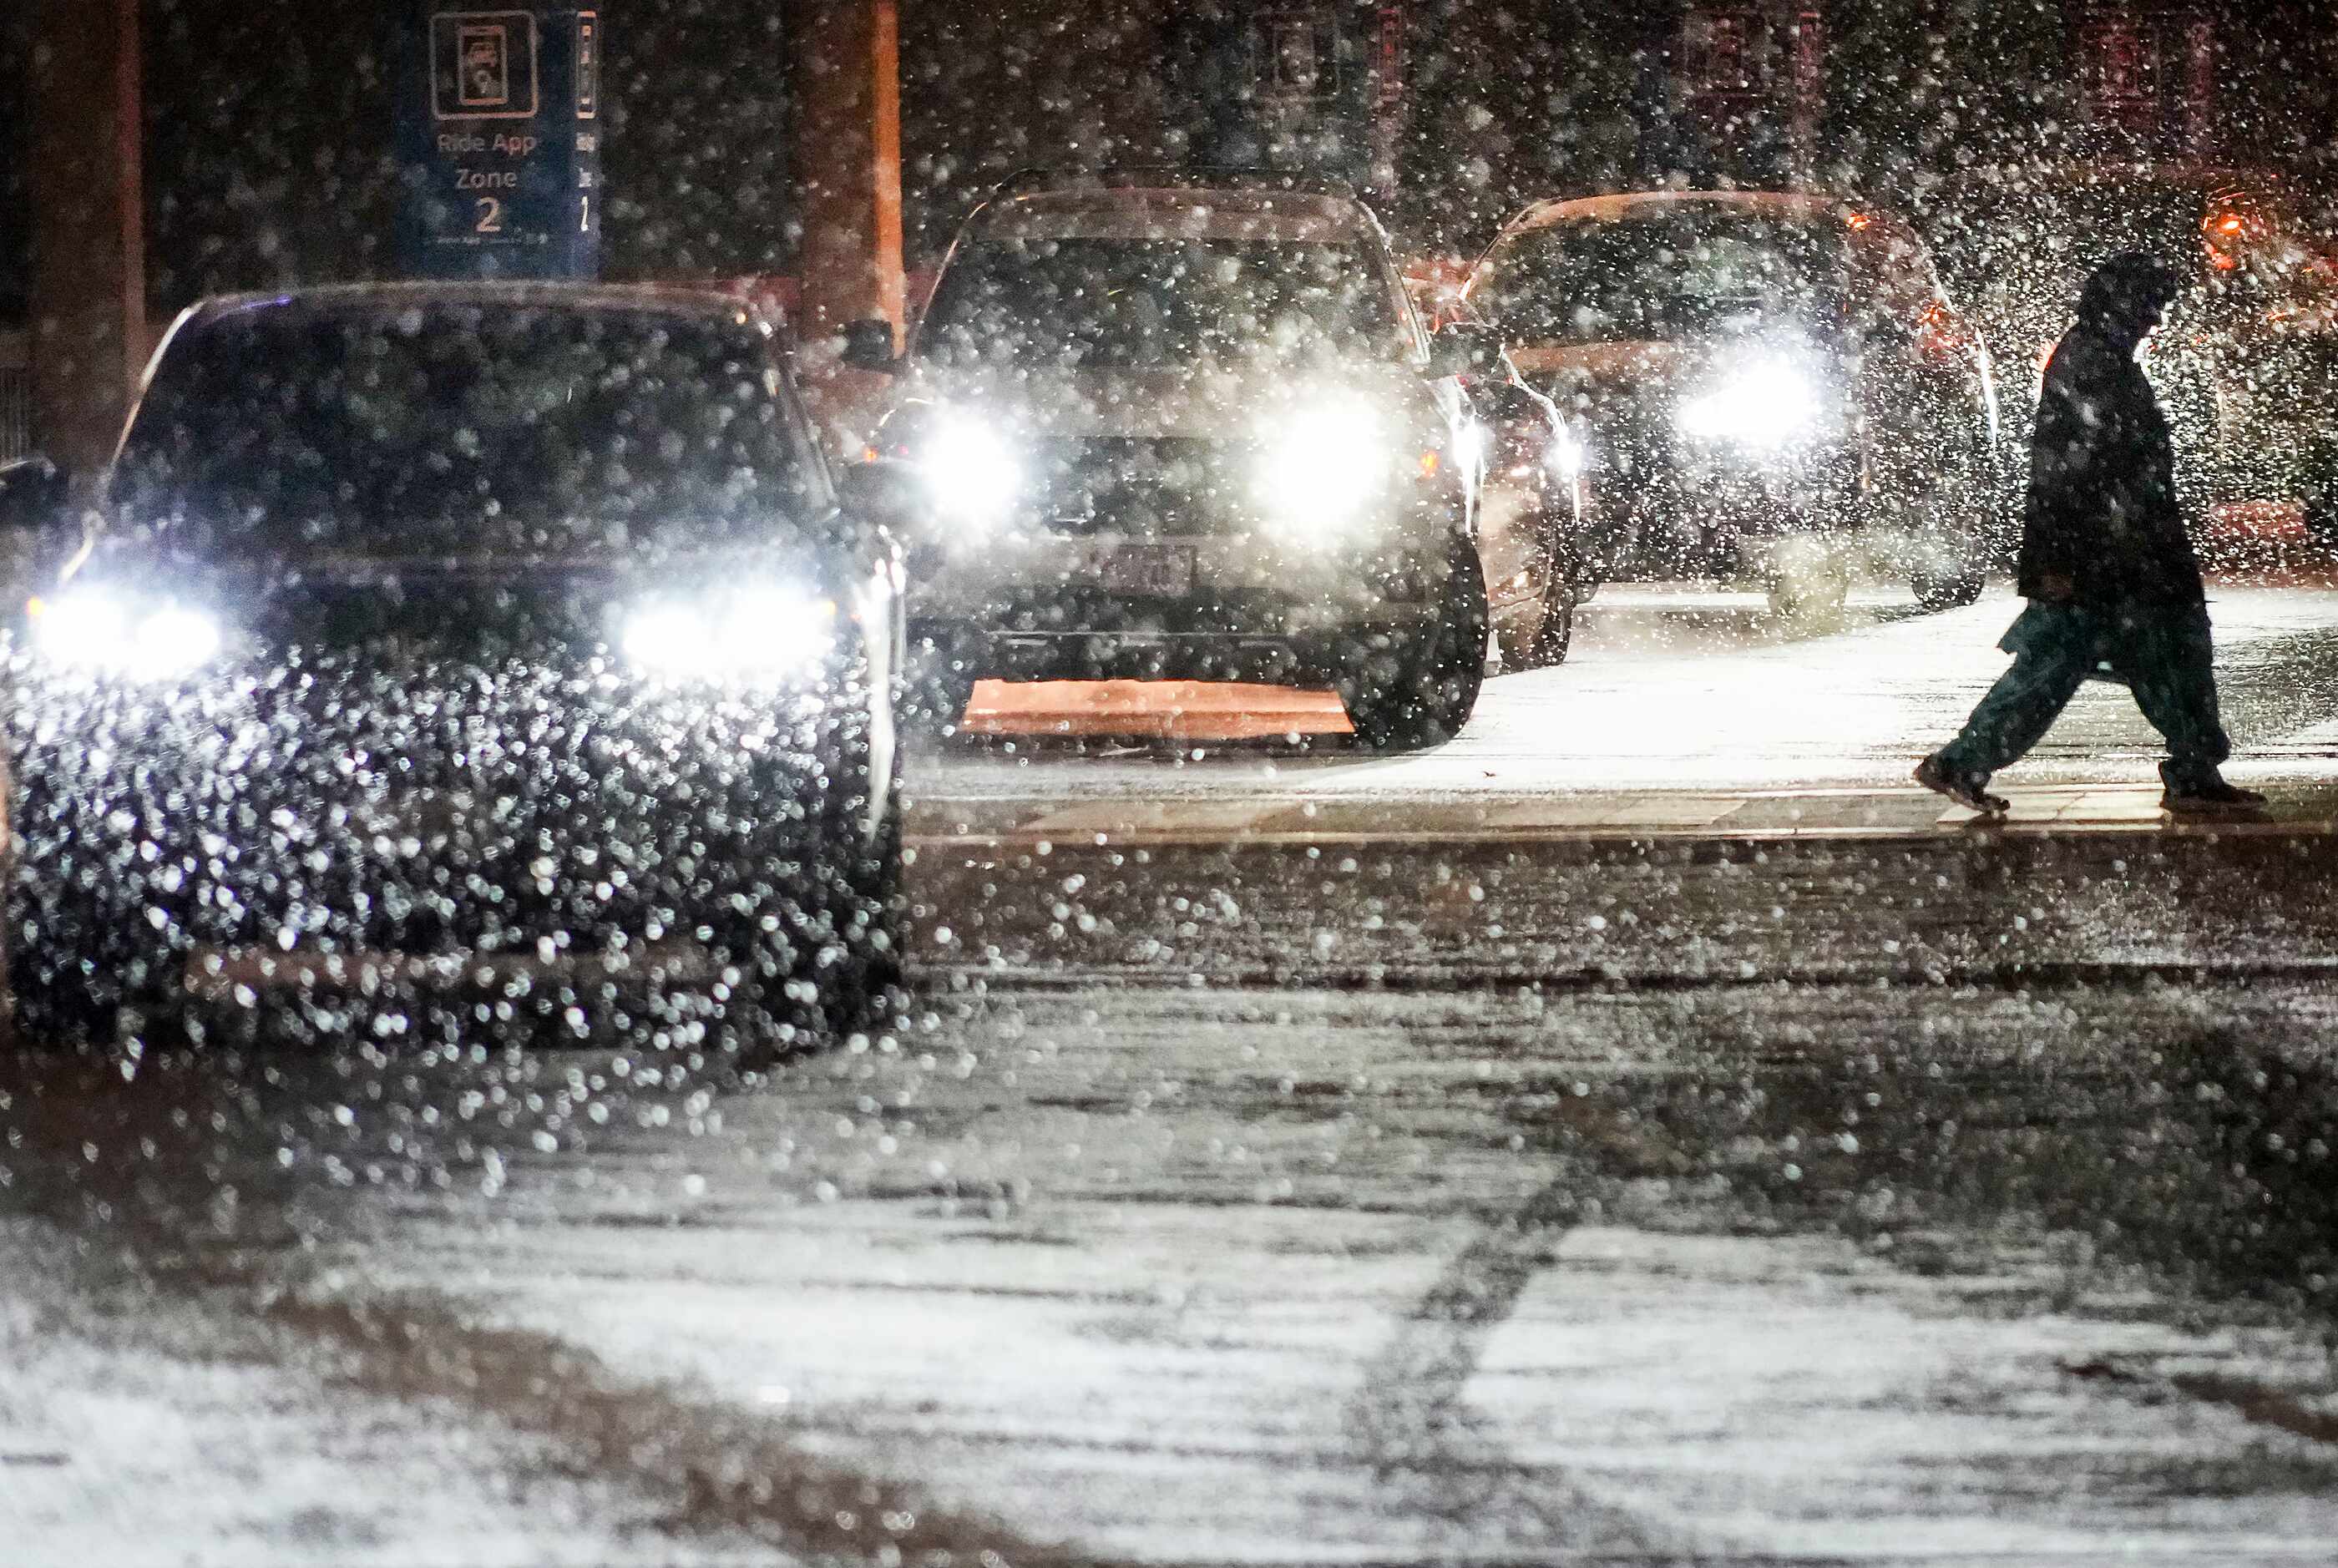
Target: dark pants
2162	651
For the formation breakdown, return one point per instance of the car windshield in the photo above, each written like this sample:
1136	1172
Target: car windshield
464	430
1661	275
1135	304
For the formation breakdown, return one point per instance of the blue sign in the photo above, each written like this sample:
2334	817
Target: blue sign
499	137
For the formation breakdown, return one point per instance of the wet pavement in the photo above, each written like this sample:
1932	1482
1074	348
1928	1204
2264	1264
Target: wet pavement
1508	1162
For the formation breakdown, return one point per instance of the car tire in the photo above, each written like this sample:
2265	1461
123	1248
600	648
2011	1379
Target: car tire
1419	693
867	918
936	683
1951	588
1806	582
1554	632
1952	564
68	942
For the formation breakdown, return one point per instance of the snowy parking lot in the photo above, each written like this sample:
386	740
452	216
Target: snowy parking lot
1646	1129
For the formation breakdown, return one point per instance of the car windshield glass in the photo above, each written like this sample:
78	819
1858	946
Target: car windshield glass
464	431
1659	276
1136	303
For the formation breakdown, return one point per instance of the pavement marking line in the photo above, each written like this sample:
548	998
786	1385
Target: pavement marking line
1410	1420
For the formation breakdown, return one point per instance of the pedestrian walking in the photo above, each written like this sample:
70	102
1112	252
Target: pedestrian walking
2114	587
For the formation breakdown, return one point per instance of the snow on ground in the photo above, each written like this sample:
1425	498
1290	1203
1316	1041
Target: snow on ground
1290	1279
138	1430
1690	697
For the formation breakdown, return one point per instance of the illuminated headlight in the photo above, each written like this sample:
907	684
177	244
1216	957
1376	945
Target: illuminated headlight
1321	466
972	472
1765	404
751	635
96	631
1566	454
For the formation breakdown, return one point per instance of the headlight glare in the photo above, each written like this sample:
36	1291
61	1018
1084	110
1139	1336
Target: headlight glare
1763	405
972	470
1568	453
1320	467
751	635
96	632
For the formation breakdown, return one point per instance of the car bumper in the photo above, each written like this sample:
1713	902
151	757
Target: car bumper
1210	607
537	838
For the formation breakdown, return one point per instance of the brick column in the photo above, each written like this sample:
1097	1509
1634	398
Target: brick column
88	306
848	169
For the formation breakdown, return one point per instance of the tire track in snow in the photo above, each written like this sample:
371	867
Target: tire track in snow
132	1162
1412	1423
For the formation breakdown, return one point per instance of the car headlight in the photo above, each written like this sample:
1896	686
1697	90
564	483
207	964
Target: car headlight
96	632
1764	405
973	473
1321	466
1568	450
749	636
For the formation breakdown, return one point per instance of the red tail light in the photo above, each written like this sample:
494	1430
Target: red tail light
1939	334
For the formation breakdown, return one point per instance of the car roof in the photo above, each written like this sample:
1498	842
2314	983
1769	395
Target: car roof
1619	204
1178	211
657	299
2211	180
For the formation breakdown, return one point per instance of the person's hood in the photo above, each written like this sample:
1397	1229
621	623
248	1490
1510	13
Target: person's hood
2125	297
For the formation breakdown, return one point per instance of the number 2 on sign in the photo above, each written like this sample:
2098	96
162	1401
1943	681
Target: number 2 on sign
491	217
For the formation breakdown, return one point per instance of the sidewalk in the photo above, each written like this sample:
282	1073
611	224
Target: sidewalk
1288	818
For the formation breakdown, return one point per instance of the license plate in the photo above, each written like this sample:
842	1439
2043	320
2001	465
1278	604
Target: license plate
1142	571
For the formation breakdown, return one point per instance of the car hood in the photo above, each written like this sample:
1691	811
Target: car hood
348	599
1650	375
1208	402
1640	370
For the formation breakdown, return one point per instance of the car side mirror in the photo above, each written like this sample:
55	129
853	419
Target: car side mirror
884	492
33	493
1464	348
869	346
1882	329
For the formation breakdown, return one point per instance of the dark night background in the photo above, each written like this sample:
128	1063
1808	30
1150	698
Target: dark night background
269	122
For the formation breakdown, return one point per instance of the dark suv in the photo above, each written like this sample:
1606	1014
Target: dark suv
1152	426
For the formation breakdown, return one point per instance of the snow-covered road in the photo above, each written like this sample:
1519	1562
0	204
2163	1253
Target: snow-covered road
1665	691
1292	1157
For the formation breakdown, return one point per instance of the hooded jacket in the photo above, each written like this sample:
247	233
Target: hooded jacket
2101	509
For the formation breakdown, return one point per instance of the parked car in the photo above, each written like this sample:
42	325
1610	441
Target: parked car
1151	428
1534	501
456	659
1773	388
2246	364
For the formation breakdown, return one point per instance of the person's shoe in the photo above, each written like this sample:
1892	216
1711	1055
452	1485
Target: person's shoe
2209	797
1934	775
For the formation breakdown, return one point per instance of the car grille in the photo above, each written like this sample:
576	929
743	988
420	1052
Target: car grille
416	805
1142	488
